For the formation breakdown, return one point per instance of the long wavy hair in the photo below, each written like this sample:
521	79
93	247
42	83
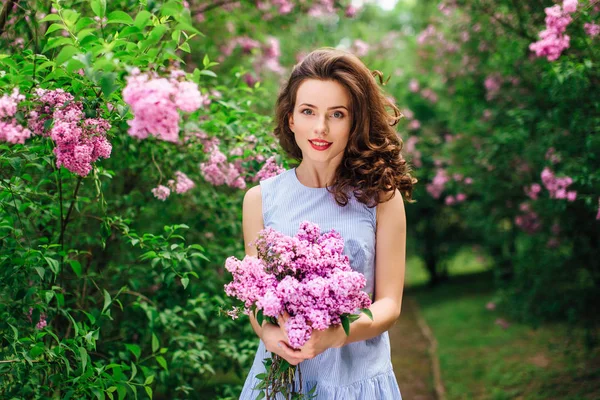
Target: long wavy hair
372	166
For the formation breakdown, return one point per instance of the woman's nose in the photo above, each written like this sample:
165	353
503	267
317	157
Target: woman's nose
321	127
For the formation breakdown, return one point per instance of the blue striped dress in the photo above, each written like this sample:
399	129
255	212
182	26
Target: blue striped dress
360	370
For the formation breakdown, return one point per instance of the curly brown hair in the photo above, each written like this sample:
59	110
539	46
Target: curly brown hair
372	166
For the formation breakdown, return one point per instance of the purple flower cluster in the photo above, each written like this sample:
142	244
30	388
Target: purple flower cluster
270	168
558	186
41	323
155	103
306	275
553	39
218	171
181	184
79	141
10	130
591	29
436	187
529	221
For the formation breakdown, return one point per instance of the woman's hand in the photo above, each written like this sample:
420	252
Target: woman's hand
332	337
276	342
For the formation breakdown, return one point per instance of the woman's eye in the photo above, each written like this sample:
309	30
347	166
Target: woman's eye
305	111
338	114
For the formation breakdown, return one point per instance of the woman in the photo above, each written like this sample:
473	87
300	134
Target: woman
331	116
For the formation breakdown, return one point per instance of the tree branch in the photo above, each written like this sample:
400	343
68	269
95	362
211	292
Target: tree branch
4	14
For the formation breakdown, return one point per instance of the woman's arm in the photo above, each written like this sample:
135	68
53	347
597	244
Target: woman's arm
390	264
252	223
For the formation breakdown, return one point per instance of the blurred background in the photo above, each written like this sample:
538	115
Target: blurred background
112	268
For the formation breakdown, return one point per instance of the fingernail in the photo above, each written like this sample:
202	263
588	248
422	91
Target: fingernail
278	344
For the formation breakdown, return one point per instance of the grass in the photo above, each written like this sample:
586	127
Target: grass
481	360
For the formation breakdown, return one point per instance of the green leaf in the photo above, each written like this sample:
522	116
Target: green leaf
171	8
99	7
260	317
65	54
107	83
55	27
56	42
162	362
119	17
133	371
54	265
185	47
82	23
50	17
157	33
134	349
368	312
208	72
41	271
155	344
106	300
148	390
141	19
346	325
185	281
83	354
149	380
205	61
48	296
260	396
76	266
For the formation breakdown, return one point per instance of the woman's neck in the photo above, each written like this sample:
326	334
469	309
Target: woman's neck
316	176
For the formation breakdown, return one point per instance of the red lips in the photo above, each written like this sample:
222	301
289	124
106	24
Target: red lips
320	148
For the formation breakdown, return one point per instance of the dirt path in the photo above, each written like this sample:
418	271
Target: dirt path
410	355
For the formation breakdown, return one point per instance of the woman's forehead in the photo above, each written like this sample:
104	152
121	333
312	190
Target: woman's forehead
322	94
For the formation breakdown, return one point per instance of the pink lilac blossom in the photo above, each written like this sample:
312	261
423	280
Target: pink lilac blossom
558	186
10	130
161	192
42	323
181	183
414	125
492	86
360	48
553	40
155	103
218	171
351	11
269	169
529	220
430	95
570	6
533	191
591	29
411	149
79	141
306	275
436	187
413	85
552	156
598	214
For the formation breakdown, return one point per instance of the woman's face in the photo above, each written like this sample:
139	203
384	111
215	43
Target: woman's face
321	120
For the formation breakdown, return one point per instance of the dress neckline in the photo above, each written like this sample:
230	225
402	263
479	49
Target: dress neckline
295	178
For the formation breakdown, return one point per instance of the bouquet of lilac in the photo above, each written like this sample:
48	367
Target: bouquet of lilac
307	276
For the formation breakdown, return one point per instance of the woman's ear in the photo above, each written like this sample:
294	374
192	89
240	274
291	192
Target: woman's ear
291	121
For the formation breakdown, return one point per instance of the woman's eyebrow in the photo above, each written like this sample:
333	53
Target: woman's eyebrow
330	108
